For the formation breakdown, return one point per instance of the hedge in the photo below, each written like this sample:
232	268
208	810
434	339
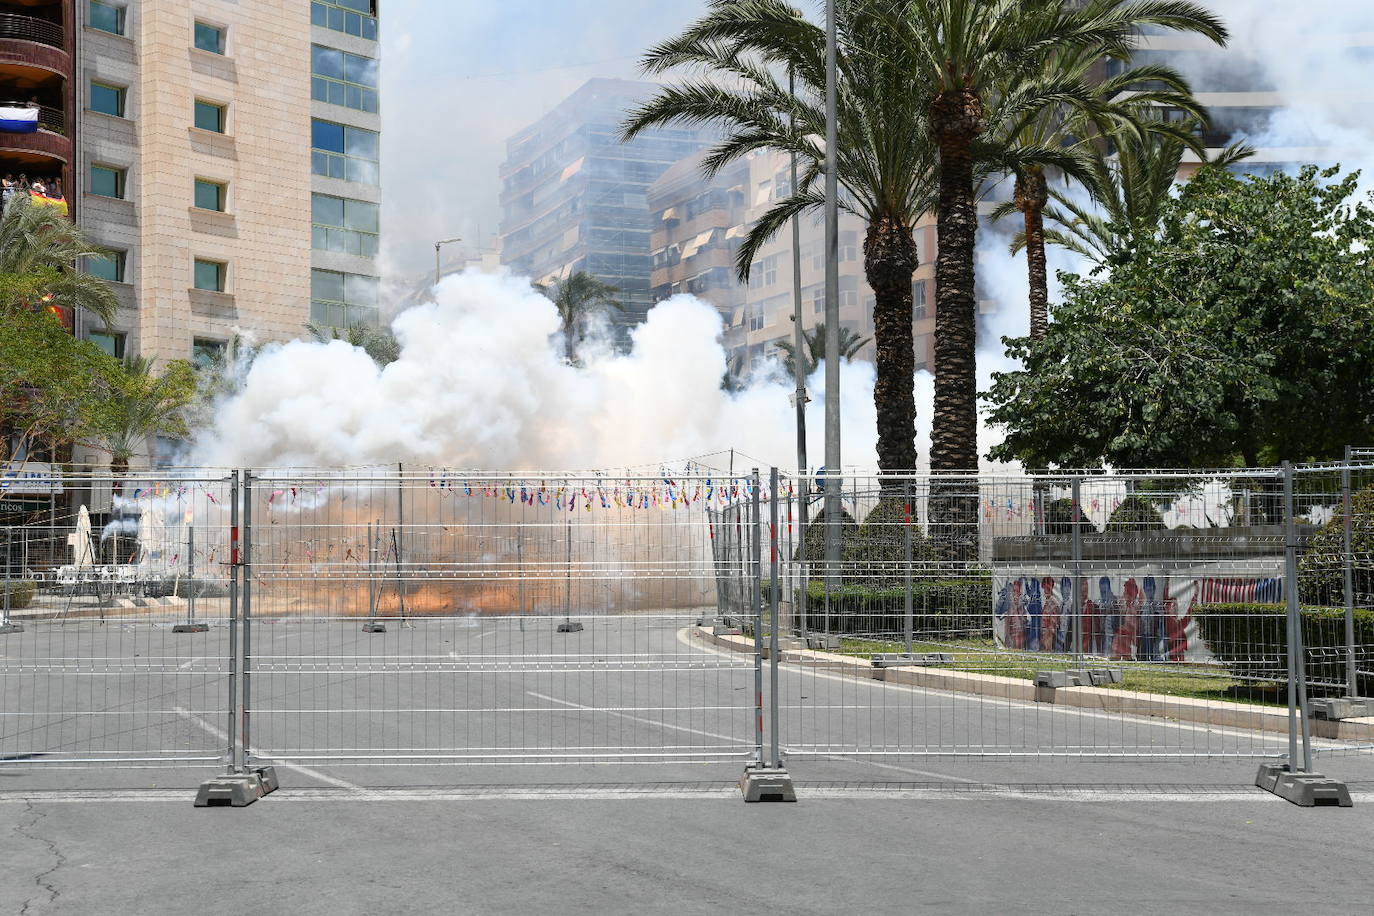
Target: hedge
1059	518
1321	574
1136	513
876	551
938	606
1252	641
21	592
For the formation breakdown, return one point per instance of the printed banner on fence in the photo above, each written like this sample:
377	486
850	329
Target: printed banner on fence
1142	614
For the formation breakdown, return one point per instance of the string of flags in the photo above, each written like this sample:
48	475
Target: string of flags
665	493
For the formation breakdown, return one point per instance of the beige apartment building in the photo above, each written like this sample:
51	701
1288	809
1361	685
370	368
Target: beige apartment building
698	226
227	152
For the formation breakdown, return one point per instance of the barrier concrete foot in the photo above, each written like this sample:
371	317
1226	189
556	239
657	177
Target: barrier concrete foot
767	784
1306	790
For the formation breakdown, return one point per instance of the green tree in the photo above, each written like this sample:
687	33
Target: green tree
378	343
976	66
577	298
136	404
39	254
1243	328
814	340
1098	115
47	398
740	55
1129	190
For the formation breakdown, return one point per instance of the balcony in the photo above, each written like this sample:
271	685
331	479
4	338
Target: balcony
17	27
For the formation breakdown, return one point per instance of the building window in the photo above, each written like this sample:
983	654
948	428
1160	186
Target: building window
210	116
207	353
210	195
348	153
210	38
109	268
849	246
107	99
209	275
340	78
352	17
756	317
344	225
764	272
107	17
109	341
849	292
340	300
107	181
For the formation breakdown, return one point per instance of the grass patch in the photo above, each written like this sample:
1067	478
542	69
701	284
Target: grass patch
981	655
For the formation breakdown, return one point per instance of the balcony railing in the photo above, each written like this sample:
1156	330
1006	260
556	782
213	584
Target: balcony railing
30	28
49	118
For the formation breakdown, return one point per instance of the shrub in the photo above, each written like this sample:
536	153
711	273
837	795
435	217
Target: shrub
949	607
20	591
1321	574
1252	641
1136	513
812	547
1059	518
875	553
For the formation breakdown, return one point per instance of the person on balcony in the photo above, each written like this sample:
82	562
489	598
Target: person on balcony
11	188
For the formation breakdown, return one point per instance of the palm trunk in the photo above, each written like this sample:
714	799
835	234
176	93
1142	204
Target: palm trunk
957	117
957	120
1032	194
890	258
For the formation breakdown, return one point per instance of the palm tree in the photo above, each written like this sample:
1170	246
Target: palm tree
977	66
577	298
138	404
1123	107
850	344
378	343
884	162
39	251
1128	189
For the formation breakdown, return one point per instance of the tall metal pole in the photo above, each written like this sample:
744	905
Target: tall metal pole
832	306
235	763
775	746
756	580
1347	563
1079	586
400	539
247	601
799	372
908	621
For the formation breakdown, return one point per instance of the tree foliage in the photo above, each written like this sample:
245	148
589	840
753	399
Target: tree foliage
46	393
1321	574
135	404
378	343
577	298
40	253
814	340
1243	329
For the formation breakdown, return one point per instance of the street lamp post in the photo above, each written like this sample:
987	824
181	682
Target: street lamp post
437	245
832	306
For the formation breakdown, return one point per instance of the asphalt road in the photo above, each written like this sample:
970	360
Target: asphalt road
462	766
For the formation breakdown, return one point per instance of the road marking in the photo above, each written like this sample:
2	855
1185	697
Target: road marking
978	793
1074	712
621	715
284	764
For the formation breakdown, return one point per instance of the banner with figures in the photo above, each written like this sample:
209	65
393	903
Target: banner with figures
1131	615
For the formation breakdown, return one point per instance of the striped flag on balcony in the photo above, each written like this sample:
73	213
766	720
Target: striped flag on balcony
43	200
18	119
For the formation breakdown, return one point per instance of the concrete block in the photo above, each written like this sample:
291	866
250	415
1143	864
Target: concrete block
570	626
374	626
1337	708
191	628
1306	790
724	629
237	790
766	784
822	642
11	628
920	659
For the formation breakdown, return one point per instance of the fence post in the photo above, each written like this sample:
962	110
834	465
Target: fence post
1297	667
1079	586
235	758
756	560
774	621
764	779
908	625
247	600
1352	687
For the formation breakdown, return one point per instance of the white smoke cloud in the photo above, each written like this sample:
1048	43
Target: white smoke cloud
481	383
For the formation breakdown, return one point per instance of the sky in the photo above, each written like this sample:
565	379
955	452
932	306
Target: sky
460	76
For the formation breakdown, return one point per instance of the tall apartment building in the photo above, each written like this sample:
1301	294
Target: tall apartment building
698	227
1295	105
573	195
226	151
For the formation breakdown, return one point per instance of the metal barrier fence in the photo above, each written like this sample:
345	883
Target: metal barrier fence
406	617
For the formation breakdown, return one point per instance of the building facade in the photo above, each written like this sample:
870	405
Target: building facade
573	196
698	228
226	152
